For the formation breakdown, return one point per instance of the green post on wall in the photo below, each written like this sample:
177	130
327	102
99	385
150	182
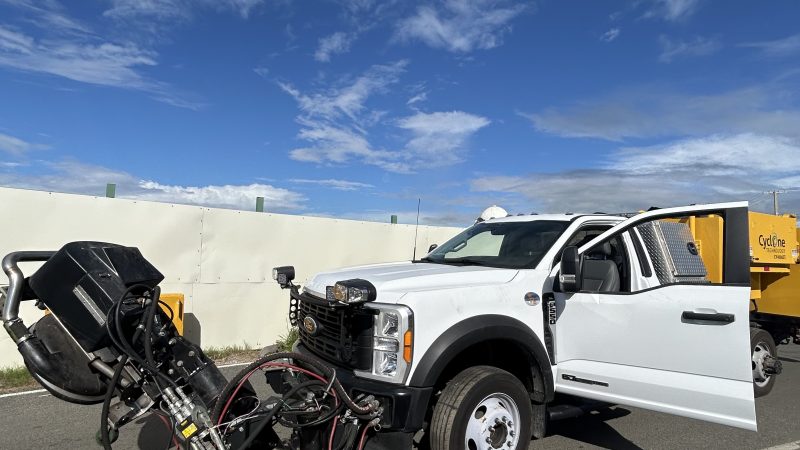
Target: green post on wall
394	218
111	190
259	204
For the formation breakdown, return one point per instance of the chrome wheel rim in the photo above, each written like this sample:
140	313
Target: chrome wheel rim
760	354
493	424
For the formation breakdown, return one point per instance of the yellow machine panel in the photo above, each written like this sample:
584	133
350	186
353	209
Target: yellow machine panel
773	239
175	303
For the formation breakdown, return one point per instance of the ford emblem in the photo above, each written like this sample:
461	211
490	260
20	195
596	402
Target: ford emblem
311	326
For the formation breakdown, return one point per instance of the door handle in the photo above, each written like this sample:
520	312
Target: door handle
700	318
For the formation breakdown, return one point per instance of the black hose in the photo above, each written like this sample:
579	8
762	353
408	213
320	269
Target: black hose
148	327
104	437
315	364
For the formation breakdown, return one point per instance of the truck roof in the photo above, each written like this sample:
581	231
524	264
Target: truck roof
555	217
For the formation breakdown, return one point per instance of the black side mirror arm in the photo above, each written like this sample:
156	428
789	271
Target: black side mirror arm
569	277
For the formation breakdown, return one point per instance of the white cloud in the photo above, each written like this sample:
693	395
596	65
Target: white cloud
348	100
610	35
334	125
439	138
170	10
460	26
16	146
672	10
48	15
777	48
699	46
80	178
224	196
654	111
421	97
339	185
708	169
336	43
80	59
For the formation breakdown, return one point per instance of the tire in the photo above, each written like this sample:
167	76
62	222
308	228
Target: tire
761	345
477	400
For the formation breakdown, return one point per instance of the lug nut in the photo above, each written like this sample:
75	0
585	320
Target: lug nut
505	419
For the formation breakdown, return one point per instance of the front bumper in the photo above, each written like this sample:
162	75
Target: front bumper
404	407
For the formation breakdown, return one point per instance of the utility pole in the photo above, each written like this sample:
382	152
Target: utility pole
775	200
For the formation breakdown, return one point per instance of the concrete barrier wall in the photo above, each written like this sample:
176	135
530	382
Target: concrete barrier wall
221	260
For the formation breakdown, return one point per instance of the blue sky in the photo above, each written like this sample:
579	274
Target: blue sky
357	108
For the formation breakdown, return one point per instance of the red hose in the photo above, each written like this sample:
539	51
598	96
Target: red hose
269	364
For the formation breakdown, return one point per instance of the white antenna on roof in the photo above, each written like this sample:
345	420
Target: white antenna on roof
416	230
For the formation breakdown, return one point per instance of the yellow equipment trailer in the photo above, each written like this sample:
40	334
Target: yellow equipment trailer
774	281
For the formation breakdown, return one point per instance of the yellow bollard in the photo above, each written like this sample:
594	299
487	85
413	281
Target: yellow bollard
175	302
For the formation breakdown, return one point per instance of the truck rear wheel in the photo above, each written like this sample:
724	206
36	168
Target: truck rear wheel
484	408
764	358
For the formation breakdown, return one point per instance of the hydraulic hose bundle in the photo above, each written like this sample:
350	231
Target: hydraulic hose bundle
333	407
110	337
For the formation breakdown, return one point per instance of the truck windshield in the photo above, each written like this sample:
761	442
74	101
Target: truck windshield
515	245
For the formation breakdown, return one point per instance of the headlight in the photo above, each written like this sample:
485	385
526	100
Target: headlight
283	275
354	291
392	343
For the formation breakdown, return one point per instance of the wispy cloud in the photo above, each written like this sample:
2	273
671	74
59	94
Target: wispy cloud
49	15
439	139
672	10
460	26
334	125
171	10
653	111
69	49
339	185
336	43
610	35
79	178
707	169
16	146
699	46
777	48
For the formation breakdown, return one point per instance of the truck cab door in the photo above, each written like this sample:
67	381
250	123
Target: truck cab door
673	334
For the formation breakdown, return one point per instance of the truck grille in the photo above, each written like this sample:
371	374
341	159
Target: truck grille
341	334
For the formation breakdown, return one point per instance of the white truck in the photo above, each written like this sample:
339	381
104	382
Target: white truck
474	342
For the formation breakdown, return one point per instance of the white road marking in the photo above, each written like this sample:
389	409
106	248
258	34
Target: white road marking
234	365
15	394
39	391
787	446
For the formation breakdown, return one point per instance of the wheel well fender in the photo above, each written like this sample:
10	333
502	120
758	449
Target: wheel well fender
447	348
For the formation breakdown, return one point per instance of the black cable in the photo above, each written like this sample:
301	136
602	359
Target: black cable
104	437
148	327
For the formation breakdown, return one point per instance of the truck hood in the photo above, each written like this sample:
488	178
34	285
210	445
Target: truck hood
403	277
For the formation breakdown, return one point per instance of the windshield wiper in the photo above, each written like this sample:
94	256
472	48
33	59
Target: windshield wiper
466	261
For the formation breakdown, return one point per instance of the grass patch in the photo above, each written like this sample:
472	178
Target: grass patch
219	353
15	377
285	342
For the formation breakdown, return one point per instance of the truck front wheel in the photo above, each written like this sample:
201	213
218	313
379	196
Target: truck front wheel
765	363
484	408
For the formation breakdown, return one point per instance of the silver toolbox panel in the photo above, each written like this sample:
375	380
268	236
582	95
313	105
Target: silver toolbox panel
672	250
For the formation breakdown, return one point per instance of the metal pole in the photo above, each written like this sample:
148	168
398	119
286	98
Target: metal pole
111	190
259	204
775	201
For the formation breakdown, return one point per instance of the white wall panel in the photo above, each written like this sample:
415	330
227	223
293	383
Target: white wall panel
221	260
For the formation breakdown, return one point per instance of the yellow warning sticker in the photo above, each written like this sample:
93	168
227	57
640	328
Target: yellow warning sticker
188	431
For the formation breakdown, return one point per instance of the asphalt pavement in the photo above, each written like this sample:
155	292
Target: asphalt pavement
37	420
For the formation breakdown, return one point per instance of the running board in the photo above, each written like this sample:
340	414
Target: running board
561	412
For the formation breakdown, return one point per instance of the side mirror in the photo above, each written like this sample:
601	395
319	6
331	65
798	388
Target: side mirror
432	247
570	274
